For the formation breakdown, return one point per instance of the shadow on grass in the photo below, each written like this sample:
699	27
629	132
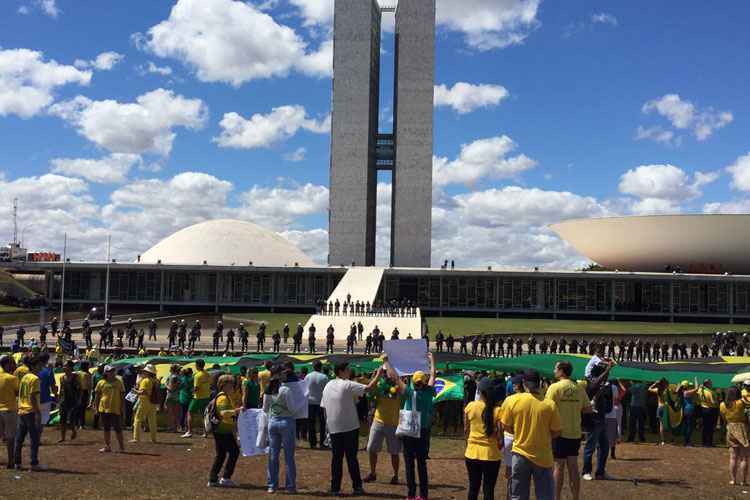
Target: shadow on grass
139	454
637	459
53	470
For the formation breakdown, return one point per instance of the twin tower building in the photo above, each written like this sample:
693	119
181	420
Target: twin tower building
358	148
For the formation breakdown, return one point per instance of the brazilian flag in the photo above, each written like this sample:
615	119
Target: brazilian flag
449	388
672	415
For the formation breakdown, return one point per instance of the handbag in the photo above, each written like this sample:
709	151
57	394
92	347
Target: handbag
410	421
262	439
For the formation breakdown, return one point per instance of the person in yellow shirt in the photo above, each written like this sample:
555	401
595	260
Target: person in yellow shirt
86	380
572	402
733	412
264	377
146	411
483	431
22	368
384	423
534	422
8	405
224	435
709	401
108	404
29	414
201	396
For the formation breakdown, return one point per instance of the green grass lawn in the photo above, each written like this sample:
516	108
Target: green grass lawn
9	309
275	321
468	326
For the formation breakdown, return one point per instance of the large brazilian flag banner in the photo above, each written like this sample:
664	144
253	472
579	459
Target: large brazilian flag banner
449	388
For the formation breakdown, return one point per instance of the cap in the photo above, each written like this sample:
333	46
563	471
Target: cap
419	376
685	384
149	369
486	384
531	378
109	368
746	383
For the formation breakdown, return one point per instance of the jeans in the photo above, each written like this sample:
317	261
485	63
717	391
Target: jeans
281	434
415	451
636	422
597	437
523	471
688	425
226	444
482	471
316	415
710	417
27	424
345	444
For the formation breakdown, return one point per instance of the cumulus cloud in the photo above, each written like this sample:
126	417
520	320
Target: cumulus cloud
661	188
489	24
656	134
315	12
103	62
296	156
483	158
604	18
49	7
466	97
28	82
740	171
263	131
280	206
112	169
144	126
684	115
212	37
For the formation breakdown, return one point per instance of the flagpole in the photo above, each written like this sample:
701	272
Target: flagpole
106	289
62	288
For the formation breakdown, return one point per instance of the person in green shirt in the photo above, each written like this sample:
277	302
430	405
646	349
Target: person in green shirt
98	375
251	390
185	395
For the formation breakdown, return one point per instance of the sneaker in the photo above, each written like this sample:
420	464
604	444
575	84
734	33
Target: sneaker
188	434
106	449
588	477
358	492
370	478
227	483
604	477
271	490
212	484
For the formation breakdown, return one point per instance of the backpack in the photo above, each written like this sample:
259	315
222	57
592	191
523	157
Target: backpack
155	397
211	419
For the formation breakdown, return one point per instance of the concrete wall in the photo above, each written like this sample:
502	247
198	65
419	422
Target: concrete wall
354	126
411	219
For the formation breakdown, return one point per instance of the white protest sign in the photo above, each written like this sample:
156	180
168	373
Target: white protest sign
407	356
298	393
249	424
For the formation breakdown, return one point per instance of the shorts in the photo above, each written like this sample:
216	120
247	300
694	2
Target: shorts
380	431
563	447
8	420
111	421
660	412
67	414
198	406
507	448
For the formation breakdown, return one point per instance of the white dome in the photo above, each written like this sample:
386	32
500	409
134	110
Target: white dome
225	243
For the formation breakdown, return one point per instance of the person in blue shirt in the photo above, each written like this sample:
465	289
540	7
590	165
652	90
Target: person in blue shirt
416	450
47	389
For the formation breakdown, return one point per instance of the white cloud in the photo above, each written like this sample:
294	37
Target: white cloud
466	97
480	159
296	156
262	131
49	7
27	82
160	70
685	115
144	126
489	24
279	207
312	242
24	10
213	38
315	12
604	18
662	188
112	169
103	62
740	171
656	134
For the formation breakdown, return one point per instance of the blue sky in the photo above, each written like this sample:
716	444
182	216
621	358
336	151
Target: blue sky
139	118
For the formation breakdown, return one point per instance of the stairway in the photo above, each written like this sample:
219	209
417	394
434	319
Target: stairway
362	283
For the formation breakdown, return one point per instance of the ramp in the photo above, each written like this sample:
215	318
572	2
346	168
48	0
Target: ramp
362	283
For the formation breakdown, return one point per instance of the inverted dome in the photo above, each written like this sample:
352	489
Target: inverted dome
694	243
224	243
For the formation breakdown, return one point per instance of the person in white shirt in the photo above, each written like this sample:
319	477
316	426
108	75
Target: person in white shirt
339	402
316	382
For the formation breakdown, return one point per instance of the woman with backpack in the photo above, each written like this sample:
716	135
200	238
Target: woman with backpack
224	412
148	402
281	432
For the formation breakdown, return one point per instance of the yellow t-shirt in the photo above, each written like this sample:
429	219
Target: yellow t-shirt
85	379
387	410
202	384
708	398
263	378
21	372
146	385
532	421
110	396
479	446
570	399
28	391
735	414
8	392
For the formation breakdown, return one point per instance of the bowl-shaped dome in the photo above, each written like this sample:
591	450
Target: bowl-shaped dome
658	243
226	243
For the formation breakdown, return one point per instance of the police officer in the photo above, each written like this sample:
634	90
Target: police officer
439	339
285	333
244	334
230	341
276	337
260	338
172	335
195	334
462	345
152	330
220	329
449	342
368	343
360	330
311	338
350	339
298	338
215	345
329	339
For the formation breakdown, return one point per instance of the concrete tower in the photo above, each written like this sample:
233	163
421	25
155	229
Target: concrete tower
358	150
